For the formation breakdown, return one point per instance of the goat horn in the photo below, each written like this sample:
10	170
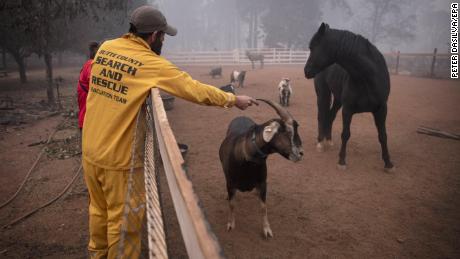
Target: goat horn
283	113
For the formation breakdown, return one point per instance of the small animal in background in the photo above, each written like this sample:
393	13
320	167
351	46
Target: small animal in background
285	91
254	57
228	88
217	71
237	78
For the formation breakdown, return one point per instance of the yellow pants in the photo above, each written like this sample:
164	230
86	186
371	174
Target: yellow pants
107	194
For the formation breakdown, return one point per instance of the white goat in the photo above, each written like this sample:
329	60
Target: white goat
237	78
285	91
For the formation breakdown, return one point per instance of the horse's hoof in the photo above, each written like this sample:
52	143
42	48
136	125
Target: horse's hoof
390	169
342	167
268	232
320	147
330	143
230	226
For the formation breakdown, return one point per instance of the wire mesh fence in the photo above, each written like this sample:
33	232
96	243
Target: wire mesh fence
433	65
143	232
155	226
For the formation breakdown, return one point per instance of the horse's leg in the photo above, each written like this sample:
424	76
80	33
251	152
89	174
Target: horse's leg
346	117
252	63
323	102
261	63
336	105
379	119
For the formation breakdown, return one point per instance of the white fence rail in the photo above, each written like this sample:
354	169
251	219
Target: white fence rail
417	64
237	56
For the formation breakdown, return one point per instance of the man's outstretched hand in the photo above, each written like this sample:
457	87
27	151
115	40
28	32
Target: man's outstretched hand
243	101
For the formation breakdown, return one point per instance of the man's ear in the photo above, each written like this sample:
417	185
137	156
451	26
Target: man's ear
151	38
270	130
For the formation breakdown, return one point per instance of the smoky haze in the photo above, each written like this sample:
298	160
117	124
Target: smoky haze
408	26
45	33
38	32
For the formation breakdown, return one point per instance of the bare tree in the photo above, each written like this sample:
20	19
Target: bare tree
16	37
436	25
387	21
250	11
53	18
219	24
290	23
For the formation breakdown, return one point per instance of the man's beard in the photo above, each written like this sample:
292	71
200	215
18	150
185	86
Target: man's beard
156	46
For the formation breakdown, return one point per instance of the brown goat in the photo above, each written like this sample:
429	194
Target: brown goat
244	152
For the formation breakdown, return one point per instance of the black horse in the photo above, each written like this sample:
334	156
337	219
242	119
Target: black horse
363	85
328	88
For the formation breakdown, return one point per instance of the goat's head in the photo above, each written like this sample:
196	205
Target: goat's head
282	134
286	79
284	82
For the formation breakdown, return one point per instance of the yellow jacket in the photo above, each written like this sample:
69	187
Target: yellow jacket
122	74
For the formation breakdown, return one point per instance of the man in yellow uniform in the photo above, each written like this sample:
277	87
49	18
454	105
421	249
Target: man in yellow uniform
123	72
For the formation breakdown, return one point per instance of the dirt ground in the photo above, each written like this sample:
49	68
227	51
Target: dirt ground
315	210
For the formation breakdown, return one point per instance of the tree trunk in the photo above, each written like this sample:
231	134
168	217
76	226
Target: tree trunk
21	65
49	78
60	59
251	30
375	20
256	29
238	32
22	70
4	58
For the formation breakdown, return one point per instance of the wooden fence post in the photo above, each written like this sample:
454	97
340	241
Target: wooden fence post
397	63
433	62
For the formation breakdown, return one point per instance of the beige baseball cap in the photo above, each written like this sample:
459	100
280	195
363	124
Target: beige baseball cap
149	19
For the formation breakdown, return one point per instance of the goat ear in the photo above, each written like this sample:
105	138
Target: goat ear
270	130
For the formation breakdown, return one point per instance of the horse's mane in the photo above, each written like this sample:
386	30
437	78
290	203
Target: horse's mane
351	44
